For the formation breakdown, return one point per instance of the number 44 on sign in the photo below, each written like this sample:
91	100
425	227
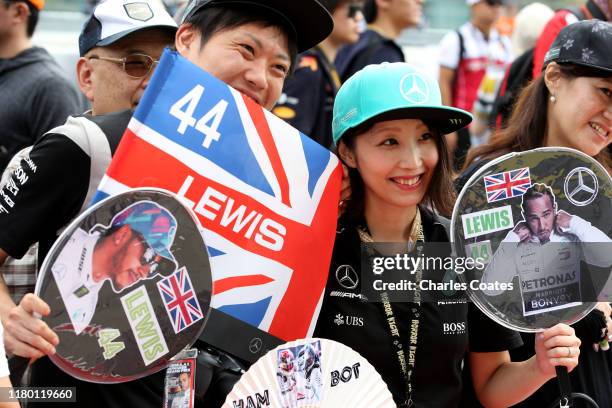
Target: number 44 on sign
184	108
106	339
480	250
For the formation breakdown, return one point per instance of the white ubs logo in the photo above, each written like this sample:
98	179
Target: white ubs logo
343	320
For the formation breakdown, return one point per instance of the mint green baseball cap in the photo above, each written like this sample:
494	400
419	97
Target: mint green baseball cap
391	91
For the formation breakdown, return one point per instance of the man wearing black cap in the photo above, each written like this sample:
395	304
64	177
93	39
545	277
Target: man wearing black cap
250	45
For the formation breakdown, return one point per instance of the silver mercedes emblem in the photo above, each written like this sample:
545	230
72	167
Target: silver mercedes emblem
255	345
414	88
581	186
347	277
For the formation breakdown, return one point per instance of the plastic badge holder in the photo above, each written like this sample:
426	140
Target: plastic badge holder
179	385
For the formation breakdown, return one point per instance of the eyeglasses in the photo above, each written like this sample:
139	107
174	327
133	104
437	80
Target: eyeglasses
354	9
134	65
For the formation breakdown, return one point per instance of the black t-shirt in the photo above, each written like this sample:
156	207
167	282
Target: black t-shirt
308	97
43	197
447	331
372	48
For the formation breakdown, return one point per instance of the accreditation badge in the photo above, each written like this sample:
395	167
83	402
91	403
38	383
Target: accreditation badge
179	386
540	223
129	286
311	373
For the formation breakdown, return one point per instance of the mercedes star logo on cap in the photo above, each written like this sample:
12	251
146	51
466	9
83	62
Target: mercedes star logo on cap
414	88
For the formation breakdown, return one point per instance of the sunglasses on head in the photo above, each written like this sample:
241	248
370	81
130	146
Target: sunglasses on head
354	9
134	65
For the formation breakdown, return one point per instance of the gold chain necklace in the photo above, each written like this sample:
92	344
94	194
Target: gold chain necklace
416	231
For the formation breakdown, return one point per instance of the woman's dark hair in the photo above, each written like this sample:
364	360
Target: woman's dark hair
211	20
440	194
526	127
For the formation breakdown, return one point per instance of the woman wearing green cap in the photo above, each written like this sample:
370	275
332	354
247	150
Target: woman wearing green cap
388	128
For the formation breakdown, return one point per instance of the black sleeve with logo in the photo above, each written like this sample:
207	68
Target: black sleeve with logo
43	194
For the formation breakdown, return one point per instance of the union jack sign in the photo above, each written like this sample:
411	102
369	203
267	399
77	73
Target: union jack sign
180	300
507	184
265	194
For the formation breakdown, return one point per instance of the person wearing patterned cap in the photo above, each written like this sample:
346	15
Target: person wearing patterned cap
135	246
590	9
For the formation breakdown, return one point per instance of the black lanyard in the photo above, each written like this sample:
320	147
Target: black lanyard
406	356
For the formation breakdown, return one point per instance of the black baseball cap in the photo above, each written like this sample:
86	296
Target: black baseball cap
587	43
311	22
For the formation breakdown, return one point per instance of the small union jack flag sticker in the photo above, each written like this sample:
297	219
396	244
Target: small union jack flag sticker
508	184
180	300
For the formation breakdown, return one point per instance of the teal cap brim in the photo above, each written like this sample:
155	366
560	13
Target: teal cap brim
445	119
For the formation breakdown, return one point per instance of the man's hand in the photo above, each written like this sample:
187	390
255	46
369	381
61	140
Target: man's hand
522	230
563	220
26	335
